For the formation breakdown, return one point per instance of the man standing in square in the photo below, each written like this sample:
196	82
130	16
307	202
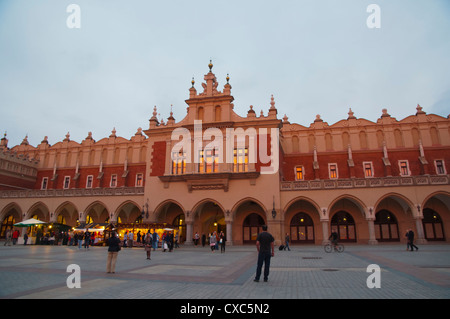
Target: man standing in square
265	247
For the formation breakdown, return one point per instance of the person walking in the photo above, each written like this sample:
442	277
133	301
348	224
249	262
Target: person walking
286	242
222	240
25	238
266	250
125	239
147	240
113	251
213	241
15	237
130	239
203	240
87	239
155	239
410	236
8	237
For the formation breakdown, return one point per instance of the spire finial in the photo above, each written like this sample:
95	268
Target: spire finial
210	65
193	82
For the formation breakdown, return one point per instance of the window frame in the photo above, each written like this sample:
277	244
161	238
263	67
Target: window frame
44	182
444	171
372	172
89	180
336	171
302	173
113	182
66	183
401	169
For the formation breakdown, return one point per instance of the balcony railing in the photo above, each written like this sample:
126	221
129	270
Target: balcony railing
366	182
76	192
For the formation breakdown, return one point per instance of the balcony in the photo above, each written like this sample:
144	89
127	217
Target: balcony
76	192
398	181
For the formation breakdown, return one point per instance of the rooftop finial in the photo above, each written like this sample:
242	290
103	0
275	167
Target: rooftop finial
210	65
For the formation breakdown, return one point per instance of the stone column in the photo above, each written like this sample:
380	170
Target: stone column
189	233
229	241
325	231
420	233
372	239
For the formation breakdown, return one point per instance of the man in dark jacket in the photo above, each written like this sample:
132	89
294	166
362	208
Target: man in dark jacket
113	251
410	237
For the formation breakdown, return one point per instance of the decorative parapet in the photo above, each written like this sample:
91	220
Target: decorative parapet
366	182
78	192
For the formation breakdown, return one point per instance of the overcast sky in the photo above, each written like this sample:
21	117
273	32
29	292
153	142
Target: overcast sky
314	56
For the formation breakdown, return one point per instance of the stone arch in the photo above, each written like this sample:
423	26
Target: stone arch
97	211
302	229
40	209
128	212
68	211
208	216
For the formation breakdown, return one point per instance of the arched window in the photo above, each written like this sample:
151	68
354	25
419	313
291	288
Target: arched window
180	223
8	223
432	225
344	224
302	229
252	227
386	226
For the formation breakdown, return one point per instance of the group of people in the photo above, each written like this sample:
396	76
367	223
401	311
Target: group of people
169	240
70	238
214	240
149	241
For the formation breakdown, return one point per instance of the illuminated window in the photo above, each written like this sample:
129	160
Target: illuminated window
208	161
240	161
139	180
178	163
299	173
333	171
368	169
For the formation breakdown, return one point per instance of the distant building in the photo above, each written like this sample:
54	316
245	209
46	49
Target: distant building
370	181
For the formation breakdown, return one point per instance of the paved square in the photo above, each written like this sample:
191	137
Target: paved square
197	273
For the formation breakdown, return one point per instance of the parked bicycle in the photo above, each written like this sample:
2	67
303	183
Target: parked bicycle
336	247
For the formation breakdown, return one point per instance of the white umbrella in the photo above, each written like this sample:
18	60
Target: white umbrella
29	222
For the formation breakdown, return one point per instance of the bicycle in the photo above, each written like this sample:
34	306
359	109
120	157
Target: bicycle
337	247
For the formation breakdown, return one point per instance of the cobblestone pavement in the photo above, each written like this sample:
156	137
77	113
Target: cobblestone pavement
192	273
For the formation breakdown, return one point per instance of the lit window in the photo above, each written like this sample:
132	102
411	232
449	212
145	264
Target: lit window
404	168
89	180
440	167
299	173
240	160
333	171
178	163
368	169
113	180
208	161
66	182
139	180
44	183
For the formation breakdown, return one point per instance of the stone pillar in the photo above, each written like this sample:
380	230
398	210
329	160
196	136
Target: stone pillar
325	231
372	239
189	233
229	241
420	233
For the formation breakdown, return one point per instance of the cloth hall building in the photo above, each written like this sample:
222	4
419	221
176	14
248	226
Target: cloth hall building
368	180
